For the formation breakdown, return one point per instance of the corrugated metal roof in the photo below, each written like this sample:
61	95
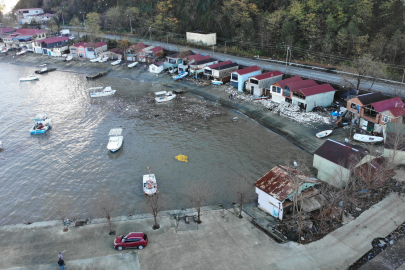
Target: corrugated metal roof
387	104
209	60
283	83
184	54
247	70
54	39
314	90
371	98
198	57
219	64
230	65
267	75
29	31
398	111
156	49
293	86
340	153
5	30
279	182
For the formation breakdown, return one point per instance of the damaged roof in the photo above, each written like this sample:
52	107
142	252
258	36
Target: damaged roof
283	83
279	182
371	98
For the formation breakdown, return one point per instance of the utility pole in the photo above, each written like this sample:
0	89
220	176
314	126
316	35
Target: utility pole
213	46
286	60
150	34
62	18
167	38
225	46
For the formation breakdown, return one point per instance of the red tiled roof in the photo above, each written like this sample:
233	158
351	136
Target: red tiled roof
267	75
29	31
219	64
293	86
283	83
398	111
314	90
247	70
89	44
99	44
156	49
54	39
387	104
5	30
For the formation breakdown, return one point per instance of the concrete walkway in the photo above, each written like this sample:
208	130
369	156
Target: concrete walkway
219	243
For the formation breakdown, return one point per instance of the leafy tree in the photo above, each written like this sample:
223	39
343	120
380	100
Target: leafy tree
165	19
92	24
132	14
114	17
75	22
124	44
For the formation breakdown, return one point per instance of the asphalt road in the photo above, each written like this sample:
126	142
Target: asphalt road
326	77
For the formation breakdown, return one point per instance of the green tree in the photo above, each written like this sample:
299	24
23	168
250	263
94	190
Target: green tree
165	20
114	18
132	15
124	44
75	22
92	25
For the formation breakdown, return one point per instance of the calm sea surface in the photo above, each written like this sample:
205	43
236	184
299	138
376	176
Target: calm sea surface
72	157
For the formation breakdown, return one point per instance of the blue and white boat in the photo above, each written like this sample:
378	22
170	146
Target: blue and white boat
180	76
42	124
217	82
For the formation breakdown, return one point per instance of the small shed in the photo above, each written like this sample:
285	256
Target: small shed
221	71
311	97
256	84
197	67
277	88
201	37
113	54
156	67
239	77
277	188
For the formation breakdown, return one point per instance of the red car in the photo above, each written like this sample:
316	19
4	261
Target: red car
132	240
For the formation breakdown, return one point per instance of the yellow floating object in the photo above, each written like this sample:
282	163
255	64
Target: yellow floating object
182	158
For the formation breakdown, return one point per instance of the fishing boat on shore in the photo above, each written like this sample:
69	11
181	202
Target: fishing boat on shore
1	145
69	58
216	82
4	50
30	78
323	134
116	62
133	64
180	76
95	60
96	75
104	59
149	183
21	52
44	70
367	138
115	141
42	124
164	96
105	92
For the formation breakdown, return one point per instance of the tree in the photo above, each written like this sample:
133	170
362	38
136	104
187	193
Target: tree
243	191
75	22
131	13
105	206
114	17
199	193
52	25
92	24
165	20
154	204
124	44
61	206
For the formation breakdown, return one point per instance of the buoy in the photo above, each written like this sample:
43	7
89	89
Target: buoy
182	158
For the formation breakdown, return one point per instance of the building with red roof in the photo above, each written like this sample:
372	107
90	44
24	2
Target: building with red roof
88	49
50	45
278	87
5	31
150	54
311	97
239	77
256	85
221	71
24	37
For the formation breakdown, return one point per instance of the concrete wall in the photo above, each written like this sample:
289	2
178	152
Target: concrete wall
328	171
269	204
206	39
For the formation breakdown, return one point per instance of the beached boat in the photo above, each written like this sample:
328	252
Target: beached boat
105	92
367	138
216	82
180	76
104	59
115	142
4	50
133	64
42	124
44	70
21	52
164	96
149	184
116	62
30	78
323	134
95	60
69	58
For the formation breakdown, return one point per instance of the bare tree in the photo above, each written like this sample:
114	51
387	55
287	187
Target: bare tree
199	193
394	144
154	204
105	206
61	206
243	191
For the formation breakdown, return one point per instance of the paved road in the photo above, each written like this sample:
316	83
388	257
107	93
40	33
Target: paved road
303	72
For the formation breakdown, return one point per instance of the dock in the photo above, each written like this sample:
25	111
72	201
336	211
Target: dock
96	75
44	70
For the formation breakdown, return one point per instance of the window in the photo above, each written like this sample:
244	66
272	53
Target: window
208	71
253	81
286	92
386	119
234	76
279	90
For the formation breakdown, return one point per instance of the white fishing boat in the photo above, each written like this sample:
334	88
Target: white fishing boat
115	142
217	82
1	145
69	58
133	64
164	96
323	134
116	62
104	59
149	183
30	78
21	52
4	50
105	92
42	124
367	138
95	60
180	76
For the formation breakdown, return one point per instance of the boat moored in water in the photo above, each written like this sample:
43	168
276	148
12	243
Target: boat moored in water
115	141
164	96
367	138
105	92
42	124
149	183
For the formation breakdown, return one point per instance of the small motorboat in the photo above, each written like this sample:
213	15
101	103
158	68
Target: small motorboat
4	50
217	82
163	96
149	183
180	76
133	64
42	124
95	60
367	138
30	78
116	62
115	142
21	52
235	119
105	92
323	134
104	59
69	58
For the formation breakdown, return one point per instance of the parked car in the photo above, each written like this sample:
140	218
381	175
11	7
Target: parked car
131	240
72	37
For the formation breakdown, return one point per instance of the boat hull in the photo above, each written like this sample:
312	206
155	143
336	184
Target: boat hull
323	134
149	184
28	79
180	76
367	138
217	82
115	143
164	99
39	131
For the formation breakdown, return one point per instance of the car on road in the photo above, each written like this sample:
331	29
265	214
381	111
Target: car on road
72	37
131	240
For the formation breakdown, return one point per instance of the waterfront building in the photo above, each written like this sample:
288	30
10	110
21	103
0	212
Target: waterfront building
197	67
239	77
150	54
311	97
27	15
133	50
88	49
24	37
290	87
47	46
394	146
185	64
257	84
5	31
156	67
172	61
113	54
221	71
277	88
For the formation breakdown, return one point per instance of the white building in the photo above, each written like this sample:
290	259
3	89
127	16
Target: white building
26	12
256	84
277	88
24	37
157	67
201	37
311	97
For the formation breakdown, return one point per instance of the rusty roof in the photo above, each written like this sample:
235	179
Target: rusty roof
279	182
